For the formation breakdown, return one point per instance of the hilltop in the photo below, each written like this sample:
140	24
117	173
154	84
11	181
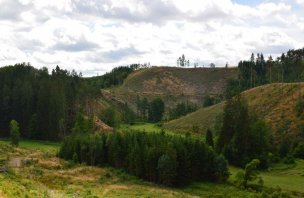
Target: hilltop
276	103
174	84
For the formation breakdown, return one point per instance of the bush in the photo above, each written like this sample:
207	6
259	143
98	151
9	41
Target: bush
250	174
274	158
208	101
299	151
289	159
14	132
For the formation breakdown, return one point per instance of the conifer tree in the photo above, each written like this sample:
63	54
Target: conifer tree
209	138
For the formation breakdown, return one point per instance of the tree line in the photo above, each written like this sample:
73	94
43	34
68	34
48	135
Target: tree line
155	157
181	109
45	105
115	77
258	70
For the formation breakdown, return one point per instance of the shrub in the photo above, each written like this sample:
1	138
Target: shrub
208	101
299	151
14	132
250	174
289	159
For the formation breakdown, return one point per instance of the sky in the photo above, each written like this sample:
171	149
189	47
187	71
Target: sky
94	36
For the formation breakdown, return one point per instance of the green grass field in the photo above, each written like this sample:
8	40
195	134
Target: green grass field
151	127
288	177
36	144
147	127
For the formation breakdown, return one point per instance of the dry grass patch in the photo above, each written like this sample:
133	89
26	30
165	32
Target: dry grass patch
274	102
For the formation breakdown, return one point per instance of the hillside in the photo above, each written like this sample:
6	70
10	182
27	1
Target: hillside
174	84
274	102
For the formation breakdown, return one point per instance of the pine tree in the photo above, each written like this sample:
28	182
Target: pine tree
209	138
156	110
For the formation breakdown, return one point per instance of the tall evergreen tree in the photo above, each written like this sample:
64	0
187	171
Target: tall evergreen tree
156	110
209	138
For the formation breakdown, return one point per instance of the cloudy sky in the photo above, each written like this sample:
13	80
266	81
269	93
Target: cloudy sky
93	36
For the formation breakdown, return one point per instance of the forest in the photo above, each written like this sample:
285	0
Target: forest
44	103
155	157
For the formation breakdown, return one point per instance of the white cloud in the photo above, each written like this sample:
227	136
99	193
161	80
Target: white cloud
93	36
301	2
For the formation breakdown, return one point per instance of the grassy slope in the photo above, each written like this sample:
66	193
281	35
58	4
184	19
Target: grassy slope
47	176
174	84
274	102
204	118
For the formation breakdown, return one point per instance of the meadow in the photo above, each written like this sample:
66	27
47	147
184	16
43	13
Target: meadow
36	171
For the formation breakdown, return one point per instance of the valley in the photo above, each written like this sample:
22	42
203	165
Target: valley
152	131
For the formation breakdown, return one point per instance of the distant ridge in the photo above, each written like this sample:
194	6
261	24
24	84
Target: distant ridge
174	84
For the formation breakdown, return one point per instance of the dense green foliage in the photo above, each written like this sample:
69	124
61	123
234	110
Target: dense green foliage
210	100
14	132
156	157
150	111
299	151
110	117
182	109
251	174
243	137
45	105
156	110
83	124
209	138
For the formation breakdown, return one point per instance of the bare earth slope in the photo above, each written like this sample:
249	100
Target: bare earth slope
274	102
174	84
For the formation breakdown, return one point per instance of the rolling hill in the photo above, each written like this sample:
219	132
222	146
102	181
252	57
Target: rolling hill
173	84
275	103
